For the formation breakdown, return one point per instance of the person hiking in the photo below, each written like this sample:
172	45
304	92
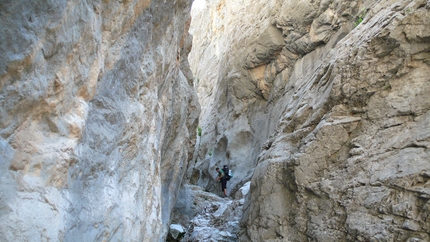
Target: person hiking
222	177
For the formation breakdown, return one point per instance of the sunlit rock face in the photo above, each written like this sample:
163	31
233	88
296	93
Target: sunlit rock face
324	106
97	118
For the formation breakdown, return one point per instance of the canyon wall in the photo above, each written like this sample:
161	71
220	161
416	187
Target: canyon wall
97	120
324	106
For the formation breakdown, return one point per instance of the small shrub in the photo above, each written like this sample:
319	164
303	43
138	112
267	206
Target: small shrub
359	20
361	16
199	131
408	10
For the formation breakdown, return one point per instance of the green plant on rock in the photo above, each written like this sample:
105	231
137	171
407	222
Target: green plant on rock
408	10
361	16
199	131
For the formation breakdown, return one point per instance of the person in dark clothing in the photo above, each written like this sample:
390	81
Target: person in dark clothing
221	177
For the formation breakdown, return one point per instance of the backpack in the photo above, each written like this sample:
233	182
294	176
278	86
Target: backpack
227	172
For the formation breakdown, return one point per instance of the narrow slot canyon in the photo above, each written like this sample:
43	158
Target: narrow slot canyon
115	114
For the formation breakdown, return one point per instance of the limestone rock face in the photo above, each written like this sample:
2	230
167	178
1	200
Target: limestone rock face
335	119
97	119
242	63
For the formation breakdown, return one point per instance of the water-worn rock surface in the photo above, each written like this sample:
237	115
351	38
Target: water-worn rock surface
324	104
97	118
208	217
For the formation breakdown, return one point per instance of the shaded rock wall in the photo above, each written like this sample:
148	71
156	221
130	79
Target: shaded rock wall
233	121
242	64
334	120
97	118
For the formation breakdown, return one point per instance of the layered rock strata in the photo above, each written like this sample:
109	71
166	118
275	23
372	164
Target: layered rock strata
328	101
97	119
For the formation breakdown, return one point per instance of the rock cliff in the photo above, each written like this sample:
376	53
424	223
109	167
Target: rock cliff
324	106
97	120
